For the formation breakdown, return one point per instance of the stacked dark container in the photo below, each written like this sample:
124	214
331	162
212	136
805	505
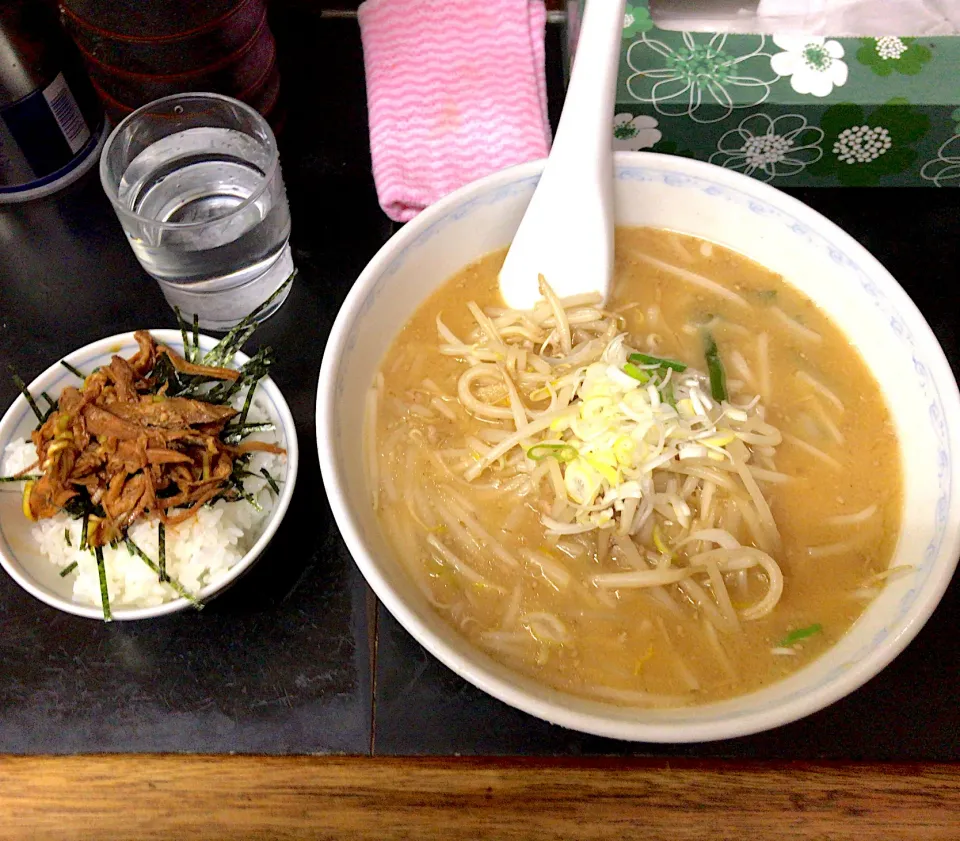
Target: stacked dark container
138	52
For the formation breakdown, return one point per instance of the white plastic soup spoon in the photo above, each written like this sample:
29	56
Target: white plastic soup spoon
566	234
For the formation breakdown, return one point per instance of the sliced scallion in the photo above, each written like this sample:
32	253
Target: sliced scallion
647	359
561	452
718	378
800	634
667	394
68	569
638	374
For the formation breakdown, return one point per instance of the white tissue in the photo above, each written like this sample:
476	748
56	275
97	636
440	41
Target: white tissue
843	18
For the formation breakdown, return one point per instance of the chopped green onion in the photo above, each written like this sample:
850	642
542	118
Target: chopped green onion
647	359
104	594
561	452
633	371
196	338
68	569
162	551
667	394
83	531
800	634
270	481
66	537
73	370
718	379
27	477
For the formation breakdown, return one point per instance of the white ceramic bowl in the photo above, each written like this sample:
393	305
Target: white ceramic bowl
18	553
776	231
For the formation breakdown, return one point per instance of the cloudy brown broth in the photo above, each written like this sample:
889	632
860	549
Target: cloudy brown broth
837	508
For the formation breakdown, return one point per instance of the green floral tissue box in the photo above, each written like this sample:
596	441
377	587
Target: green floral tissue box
793	110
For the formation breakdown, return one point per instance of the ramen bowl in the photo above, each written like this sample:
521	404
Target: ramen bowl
735	211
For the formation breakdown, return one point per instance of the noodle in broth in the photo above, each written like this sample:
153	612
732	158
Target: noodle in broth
678	498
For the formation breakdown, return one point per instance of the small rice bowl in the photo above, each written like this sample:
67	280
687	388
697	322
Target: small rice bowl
199	552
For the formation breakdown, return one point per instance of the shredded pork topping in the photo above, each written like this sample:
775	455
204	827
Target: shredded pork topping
122	446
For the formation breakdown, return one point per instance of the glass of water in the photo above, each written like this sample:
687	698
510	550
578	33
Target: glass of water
195	181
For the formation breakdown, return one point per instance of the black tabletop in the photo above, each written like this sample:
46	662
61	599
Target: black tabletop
298	657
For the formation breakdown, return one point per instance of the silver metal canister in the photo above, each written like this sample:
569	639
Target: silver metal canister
51	122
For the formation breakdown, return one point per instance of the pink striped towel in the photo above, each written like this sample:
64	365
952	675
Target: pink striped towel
455	90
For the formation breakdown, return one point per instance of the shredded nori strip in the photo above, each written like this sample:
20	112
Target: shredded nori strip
187	352
104	594
22	386
162	551
242	419
249	497
68	569
235	433
73	370
270	481
235	338
253	370
196	338
133	549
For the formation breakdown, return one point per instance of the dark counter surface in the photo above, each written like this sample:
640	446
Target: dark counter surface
298	657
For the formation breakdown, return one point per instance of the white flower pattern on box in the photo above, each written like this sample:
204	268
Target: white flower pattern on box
680	82
890	47
813	64
862	144
946	166
631	134
769	148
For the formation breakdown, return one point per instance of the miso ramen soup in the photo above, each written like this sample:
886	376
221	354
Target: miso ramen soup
680	496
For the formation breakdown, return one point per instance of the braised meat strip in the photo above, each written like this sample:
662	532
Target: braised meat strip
128	450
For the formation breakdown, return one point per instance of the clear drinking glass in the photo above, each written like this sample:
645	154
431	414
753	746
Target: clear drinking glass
195	181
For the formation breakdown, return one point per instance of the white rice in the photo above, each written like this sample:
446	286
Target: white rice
199	552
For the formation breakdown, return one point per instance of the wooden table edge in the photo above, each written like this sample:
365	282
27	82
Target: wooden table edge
239	797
